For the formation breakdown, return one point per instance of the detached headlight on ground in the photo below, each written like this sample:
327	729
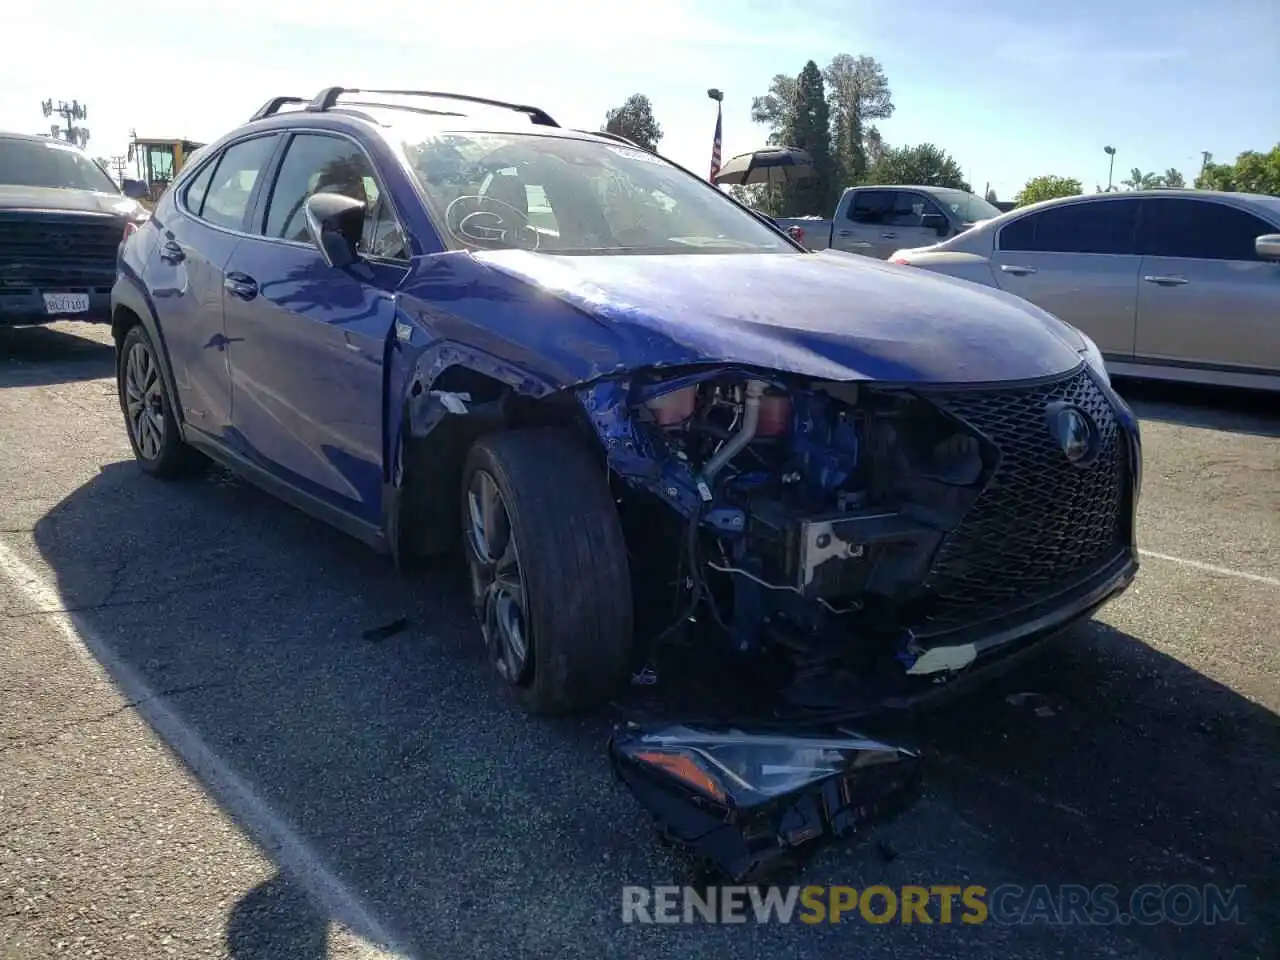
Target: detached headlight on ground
1093	357
750	803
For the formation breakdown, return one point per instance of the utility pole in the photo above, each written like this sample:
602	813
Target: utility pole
1205	158
75	110
118	163
1111	152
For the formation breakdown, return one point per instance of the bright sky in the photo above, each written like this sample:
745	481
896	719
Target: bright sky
1010	89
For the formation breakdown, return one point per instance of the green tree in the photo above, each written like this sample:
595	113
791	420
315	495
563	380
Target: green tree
635	121
810	130
857	93
1046	188
924	165
776	109
875	146
1173	179
1252	172
991	196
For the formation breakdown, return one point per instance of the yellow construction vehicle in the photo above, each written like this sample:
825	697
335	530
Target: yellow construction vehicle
157	160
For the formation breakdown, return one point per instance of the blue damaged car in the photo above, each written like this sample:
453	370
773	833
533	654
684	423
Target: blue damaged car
648	420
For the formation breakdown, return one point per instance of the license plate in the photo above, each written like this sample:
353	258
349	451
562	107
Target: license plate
57	304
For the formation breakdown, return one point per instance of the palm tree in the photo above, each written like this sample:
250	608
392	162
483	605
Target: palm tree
1173	178
1142	181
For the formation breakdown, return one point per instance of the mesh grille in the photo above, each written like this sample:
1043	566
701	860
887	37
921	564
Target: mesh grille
1042	523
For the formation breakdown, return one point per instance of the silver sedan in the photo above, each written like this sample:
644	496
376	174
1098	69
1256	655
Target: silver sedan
1170	284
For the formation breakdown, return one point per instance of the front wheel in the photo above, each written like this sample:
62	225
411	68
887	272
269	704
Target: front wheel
148	412
548	565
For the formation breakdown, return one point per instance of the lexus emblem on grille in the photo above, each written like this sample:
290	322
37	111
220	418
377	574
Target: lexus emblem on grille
60	242
1075	432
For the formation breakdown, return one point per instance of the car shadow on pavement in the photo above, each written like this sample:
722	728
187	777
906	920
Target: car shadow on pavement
473	830
277	919
45	355
1250	412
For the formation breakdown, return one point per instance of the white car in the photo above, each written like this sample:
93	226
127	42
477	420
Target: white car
1170	284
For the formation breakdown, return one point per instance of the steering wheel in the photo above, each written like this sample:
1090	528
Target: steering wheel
492	229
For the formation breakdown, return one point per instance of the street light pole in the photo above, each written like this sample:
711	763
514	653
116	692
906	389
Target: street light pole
1111	152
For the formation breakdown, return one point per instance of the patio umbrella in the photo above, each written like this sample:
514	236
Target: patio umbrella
775	165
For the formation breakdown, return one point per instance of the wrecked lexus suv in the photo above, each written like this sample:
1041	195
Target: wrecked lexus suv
648	417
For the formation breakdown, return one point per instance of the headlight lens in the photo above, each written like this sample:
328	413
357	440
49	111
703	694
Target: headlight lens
1093	356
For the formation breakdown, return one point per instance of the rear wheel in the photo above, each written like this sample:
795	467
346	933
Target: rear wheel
548	569
148	413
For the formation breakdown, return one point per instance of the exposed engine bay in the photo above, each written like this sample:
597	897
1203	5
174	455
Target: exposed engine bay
809	518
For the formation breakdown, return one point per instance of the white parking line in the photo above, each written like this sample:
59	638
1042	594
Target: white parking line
1213	568
289	851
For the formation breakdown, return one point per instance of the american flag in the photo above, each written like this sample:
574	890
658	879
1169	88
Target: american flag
715	147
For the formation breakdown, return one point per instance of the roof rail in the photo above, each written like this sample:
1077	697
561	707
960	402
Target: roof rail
272	106
618	137
327	99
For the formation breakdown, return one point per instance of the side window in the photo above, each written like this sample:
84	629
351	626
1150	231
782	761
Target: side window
1103	226
1199	230
909	209
873	207
194	196
227	199
315	163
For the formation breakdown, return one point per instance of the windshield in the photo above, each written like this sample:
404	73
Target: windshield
32	163
493	191
967	206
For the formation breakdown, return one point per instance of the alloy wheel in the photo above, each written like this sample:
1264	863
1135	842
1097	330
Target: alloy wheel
144	400
497	587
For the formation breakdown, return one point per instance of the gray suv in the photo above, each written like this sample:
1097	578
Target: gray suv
1171	284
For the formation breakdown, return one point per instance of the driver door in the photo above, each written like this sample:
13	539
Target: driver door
905	227
308	341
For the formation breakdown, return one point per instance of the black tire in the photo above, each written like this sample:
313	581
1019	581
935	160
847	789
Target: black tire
160	452
571	561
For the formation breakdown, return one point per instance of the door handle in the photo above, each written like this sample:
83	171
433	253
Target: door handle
171	252
888	236
241	285
844	233
1016	269
1167	281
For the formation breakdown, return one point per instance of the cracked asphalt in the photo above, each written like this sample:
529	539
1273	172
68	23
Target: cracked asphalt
205	752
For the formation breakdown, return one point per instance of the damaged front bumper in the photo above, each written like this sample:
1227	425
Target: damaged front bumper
884	542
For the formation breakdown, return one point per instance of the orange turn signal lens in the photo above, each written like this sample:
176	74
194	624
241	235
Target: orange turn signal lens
684	768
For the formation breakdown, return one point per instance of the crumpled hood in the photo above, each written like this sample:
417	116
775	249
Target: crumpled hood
827	315
69	201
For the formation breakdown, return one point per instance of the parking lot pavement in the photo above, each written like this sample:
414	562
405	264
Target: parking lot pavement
284	787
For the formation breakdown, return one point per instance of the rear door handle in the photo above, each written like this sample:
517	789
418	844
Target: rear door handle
241	285
171	252
1167	281
844	233
1016	269
888	236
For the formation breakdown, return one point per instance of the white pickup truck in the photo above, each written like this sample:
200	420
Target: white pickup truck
877	220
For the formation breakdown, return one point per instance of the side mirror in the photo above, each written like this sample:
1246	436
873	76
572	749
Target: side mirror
1268	246
134	189
335	223
936	222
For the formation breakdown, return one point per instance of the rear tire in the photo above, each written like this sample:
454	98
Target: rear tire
149	420
548	565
